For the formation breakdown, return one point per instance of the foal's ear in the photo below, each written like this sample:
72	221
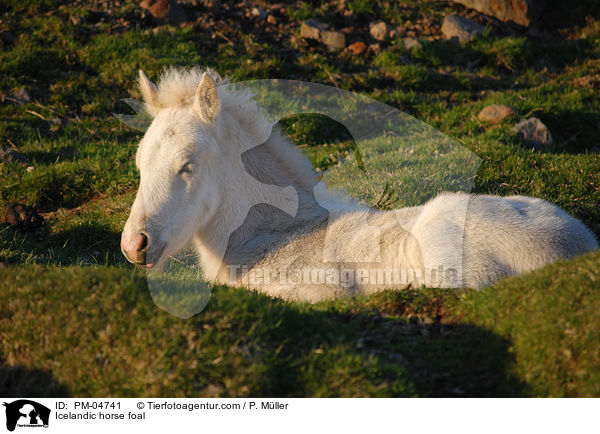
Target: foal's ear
206	100
149	93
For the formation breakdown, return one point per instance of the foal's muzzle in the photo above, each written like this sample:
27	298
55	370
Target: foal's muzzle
134	248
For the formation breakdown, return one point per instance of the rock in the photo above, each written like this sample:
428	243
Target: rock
312	29
374	49
271	19
459	28
380	30
533	132
357	48
496	113
333	39
520	12
167	11
412	44
22	95
22	216
10	155
257	12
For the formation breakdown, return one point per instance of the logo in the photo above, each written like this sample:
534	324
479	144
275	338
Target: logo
26	413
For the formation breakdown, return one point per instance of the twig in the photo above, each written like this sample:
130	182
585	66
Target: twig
222	36
11	143
333	80
37	114
52	110
535	110
92	132
178	260
10	98
505	63
331	77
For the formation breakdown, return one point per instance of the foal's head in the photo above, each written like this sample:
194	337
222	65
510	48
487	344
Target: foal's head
179	161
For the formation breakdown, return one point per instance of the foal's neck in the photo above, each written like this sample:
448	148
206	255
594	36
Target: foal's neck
274	166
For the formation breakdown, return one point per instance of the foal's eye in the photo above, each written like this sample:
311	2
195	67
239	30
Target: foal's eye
186	168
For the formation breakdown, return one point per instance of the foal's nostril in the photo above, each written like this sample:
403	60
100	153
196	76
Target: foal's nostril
143	242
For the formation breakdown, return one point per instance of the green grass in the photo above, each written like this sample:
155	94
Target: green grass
95	331
75	319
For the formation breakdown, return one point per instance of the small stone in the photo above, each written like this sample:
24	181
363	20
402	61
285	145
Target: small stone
312	29
257	12
22	216
357	48
496	113
22	95
167	11
10	155
380	30
412	44
533	132
459	28
271	19
374	49
333	39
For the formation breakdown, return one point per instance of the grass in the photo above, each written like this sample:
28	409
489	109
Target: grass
95	331
75	319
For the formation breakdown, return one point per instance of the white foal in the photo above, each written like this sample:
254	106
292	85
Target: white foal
215	172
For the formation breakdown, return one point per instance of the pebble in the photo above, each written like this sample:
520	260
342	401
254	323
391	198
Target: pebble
357	47
380	30
533	132
412	44
459	28
496	113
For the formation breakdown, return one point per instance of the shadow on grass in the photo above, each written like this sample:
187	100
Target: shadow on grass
339	352
424	359
88	244
574	131
507	55
244	343
20	382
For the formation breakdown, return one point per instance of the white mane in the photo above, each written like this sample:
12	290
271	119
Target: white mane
177	86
